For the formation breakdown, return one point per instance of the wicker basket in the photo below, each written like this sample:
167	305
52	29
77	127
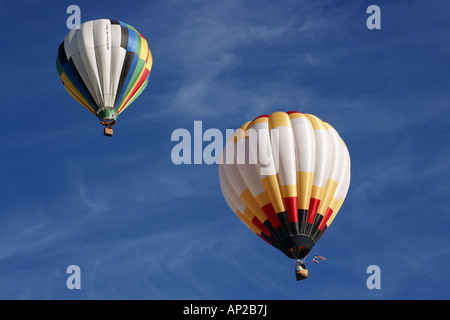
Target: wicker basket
301	273
108	132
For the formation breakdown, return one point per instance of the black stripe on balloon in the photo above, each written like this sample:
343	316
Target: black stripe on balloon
81	80
319	233
302	217
124	37
62	54
311	228
294	228
317	220
274	236
284	220
114	21
265	237
281	233
308	228
123	76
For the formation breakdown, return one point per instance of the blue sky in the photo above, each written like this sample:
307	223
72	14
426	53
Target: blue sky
141	227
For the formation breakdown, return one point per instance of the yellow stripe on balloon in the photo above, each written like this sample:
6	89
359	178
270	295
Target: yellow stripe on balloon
127	99
316	122
251	203
335	207
295	115
78	100
73	91
270	184
248	223
317	192
66	81
144	55
329	191
288	191
304	185
279	119
262	199
258	121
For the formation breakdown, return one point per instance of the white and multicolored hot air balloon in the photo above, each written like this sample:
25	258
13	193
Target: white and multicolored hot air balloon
104	64
286	175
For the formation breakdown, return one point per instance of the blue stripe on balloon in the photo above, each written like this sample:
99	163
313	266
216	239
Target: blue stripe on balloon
78	84
127	81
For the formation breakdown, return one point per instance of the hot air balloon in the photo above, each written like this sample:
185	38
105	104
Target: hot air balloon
104	64
286	175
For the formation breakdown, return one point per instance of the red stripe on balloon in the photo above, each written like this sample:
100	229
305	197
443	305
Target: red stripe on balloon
312	211
140	81
270	213
291	208
327	216
261	227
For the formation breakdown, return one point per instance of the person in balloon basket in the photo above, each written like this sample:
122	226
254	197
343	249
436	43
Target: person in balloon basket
300	270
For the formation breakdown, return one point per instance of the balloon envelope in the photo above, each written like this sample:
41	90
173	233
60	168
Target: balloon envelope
104	64
286	175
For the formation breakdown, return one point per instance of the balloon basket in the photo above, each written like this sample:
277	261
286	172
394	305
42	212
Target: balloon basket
301	272
108	132
301	275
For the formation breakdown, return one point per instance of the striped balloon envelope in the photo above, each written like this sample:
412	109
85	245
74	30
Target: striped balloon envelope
286	175
105	65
